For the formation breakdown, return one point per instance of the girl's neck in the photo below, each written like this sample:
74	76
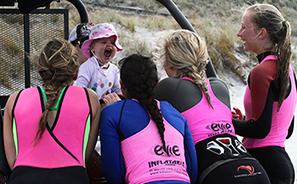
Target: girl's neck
263	55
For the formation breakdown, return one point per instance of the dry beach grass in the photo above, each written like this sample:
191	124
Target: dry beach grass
215	21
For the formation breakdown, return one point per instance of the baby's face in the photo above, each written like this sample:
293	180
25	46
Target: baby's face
104	49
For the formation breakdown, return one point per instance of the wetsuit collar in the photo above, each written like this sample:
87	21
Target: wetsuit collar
260	57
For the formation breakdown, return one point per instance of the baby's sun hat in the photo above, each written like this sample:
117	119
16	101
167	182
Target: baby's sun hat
104	30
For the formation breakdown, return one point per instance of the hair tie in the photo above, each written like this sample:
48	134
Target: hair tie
284	22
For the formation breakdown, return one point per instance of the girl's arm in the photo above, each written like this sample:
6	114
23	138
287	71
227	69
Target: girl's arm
190	153
94	129
113	166
262	88
9	146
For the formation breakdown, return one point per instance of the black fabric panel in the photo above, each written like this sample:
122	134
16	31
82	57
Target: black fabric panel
27	6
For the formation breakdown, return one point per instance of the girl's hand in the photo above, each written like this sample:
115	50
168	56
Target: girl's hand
111	98
237	114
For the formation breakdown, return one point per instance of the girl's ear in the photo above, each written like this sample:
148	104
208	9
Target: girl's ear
262	33
123	87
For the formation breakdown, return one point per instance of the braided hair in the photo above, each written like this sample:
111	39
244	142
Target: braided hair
185	51
57	65
267	16
139	75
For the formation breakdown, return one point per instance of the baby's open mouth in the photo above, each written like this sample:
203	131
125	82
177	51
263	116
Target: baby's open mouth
107	52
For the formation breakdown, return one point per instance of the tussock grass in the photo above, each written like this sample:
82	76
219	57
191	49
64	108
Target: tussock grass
4	79
219	34
216	21
13	51
10	46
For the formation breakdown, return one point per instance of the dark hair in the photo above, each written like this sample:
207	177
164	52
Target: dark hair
80	33
80	42
57	65
139	75
267	16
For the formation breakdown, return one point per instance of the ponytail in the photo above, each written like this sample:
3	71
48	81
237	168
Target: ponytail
283	54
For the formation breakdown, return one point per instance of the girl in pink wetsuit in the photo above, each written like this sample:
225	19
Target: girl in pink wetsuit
144	140
205	103
50	131
270	98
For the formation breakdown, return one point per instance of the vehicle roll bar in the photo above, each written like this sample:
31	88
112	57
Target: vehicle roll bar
81	10
185	24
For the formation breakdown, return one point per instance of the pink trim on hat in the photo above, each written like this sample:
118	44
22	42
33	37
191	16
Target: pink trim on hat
99	31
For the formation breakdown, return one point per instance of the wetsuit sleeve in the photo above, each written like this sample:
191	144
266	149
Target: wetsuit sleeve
113	166
166	89
262	98
220	90
210	70
191	157
180	93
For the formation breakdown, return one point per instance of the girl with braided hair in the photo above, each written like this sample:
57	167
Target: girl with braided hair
144	140
205	103
270	98
50	131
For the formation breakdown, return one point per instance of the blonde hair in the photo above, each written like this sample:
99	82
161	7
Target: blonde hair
186	51
57	65
269	17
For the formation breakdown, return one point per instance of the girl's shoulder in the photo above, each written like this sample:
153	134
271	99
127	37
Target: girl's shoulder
264	70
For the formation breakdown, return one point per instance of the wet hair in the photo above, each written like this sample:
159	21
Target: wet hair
186	51
57	65
139	75
269	17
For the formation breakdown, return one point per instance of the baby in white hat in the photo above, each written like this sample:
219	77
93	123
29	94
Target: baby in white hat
97	72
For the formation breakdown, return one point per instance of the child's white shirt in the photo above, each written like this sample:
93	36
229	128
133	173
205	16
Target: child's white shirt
90	75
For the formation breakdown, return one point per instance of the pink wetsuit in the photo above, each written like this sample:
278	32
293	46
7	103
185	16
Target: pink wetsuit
70	129
156	165
280	120
205	122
